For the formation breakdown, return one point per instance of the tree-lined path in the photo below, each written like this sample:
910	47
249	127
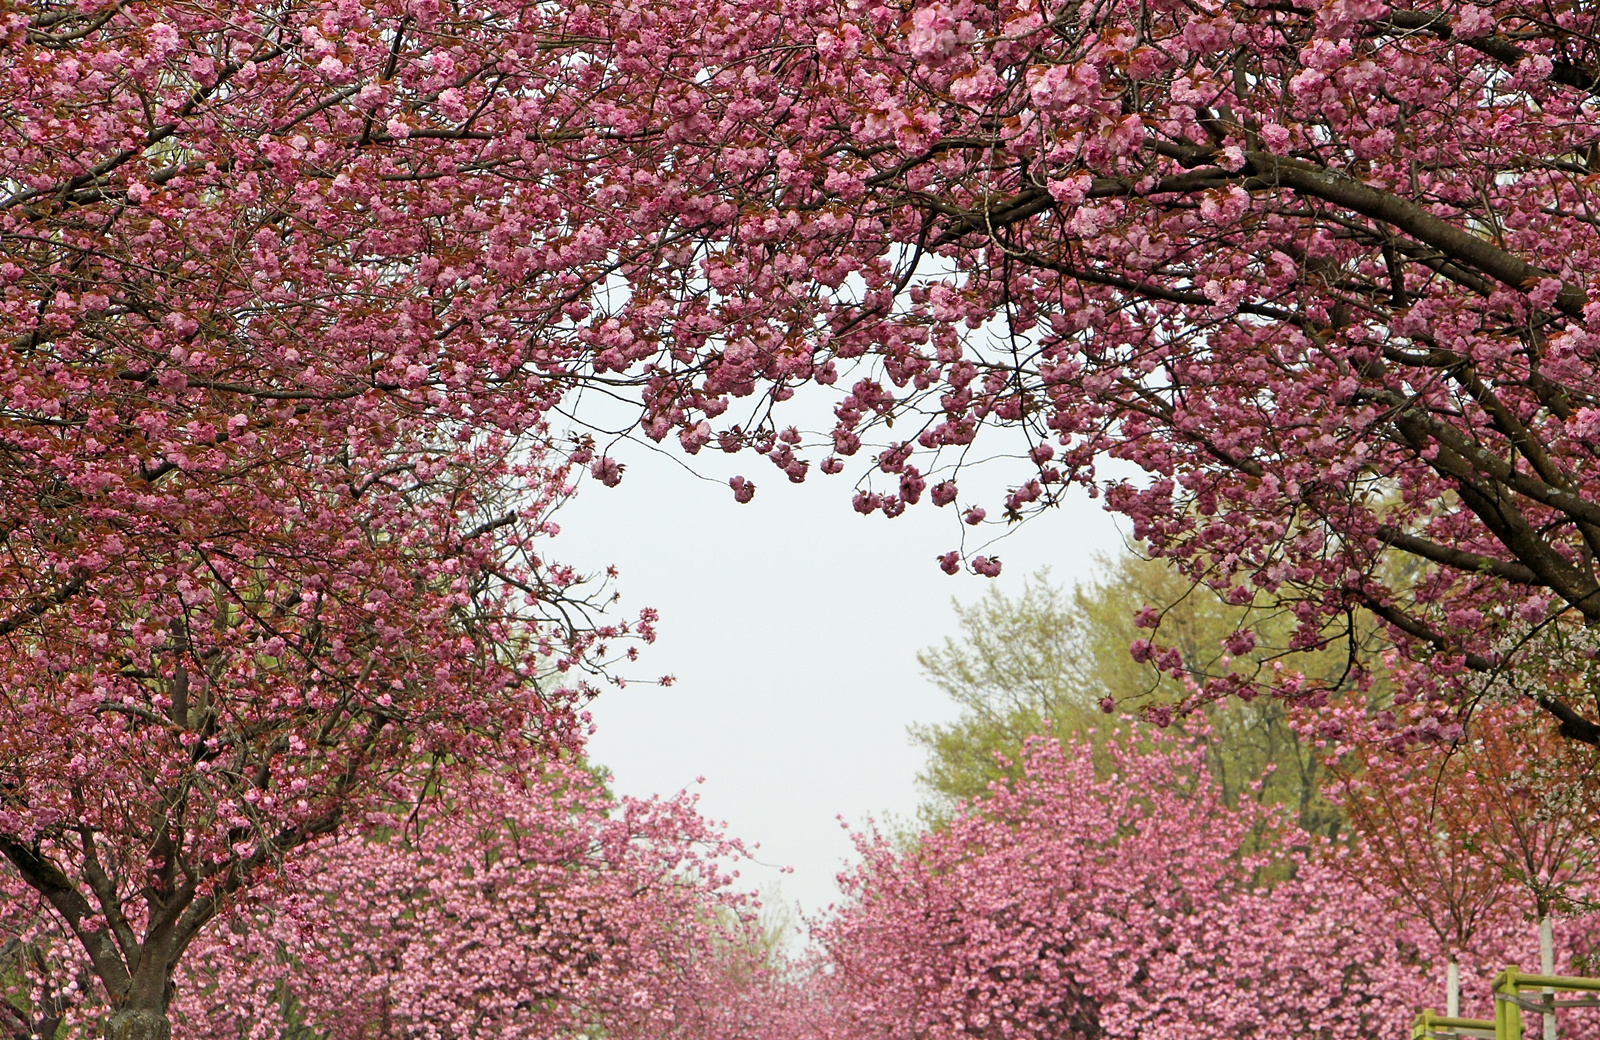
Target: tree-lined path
313	313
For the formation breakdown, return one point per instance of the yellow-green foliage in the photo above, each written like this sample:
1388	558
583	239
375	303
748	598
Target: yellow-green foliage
1044	659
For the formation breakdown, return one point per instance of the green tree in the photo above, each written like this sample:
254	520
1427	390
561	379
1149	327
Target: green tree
1048	659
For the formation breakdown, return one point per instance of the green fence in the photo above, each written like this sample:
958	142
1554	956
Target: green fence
1510	1001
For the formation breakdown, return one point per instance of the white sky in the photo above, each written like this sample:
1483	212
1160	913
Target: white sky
791	625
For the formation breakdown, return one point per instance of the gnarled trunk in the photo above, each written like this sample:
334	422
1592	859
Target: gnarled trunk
139	1024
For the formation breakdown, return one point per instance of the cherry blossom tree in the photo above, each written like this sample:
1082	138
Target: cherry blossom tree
269	535
534	906
212	704
519	910
1318	269
1066	905
1070	906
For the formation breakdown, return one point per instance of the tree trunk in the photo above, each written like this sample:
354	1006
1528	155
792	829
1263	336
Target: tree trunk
139	1024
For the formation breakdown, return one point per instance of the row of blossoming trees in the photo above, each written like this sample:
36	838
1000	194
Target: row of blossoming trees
298	297
1119	902
1105	893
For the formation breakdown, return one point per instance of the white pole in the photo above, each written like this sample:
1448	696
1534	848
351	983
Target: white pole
1547	965
1452	989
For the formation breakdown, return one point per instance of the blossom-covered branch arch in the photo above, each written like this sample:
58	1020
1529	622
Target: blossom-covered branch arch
1320	270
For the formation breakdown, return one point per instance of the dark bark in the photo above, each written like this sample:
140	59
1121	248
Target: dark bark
139	1024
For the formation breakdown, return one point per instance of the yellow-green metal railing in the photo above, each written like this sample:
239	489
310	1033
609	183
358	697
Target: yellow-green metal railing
1509	1004
1430	1026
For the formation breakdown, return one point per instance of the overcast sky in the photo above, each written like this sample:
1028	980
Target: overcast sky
791	625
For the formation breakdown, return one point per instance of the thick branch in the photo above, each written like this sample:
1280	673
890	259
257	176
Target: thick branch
1457	558
37	609
1490	500
47	879
1566	73
1319	182
105	893
1573	726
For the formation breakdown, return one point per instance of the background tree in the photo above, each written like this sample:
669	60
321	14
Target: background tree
1017	669
1072	905
1048	660
1076	903
1457	835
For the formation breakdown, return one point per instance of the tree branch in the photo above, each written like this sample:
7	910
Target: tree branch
1460	559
